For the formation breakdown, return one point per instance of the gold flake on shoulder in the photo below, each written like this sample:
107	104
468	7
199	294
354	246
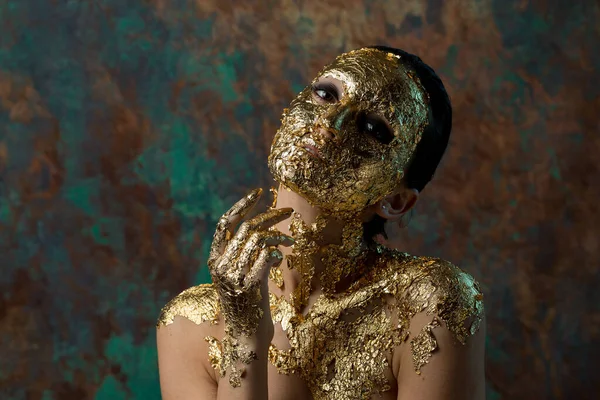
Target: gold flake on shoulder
423	345
198	304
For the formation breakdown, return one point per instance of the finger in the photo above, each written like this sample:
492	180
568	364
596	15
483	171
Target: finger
228	264
257	241
258	223
228	259
239	254
265	220
267	258
229	272
274	237
228	221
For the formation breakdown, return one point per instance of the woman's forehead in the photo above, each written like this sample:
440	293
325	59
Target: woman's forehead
367	70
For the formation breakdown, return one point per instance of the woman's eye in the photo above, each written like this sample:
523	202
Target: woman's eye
325	92
375	128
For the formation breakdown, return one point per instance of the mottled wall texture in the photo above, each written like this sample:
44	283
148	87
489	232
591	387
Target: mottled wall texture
128	126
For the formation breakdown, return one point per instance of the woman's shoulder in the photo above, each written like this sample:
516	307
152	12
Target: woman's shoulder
183	326
440	272
198	304
437	287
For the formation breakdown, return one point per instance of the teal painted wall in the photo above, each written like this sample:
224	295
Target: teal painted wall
128	127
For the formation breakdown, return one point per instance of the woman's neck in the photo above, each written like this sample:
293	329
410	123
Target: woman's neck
317	235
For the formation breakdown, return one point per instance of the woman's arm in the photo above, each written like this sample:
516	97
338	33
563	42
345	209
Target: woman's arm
254	384
238	301
454	371
185	371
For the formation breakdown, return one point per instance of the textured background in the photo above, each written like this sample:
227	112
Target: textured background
128	127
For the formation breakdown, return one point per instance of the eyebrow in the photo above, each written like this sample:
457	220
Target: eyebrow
341	77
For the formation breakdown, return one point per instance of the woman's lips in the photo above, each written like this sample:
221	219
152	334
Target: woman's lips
313	150
311	145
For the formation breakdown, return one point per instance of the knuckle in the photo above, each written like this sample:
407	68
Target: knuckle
256	237
222	266
223	222
244	227
264	254
251	224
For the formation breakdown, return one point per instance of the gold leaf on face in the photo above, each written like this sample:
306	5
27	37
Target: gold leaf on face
353	171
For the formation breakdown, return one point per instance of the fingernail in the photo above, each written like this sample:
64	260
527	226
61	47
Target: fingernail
255	193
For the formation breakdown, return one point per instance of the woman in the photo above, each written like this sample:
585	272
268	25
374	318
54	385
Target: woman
305	301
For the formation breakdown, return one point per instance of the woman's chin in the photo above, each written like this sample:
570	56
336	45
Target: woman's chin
315	185
327	199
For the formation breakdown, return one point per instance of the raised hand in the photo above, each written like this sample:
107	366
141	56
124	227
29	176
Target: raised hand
239	264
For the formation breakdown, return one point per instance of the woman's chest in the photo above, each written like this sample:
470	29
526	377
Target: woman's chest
334	352
293	387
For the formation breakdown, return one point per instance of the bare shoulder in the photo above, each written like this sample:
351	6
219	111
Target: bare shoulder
198	304
183	326
440	312
438	288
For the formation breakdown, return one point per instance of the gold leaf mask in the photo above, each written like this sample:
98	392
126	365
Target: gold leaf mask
354	170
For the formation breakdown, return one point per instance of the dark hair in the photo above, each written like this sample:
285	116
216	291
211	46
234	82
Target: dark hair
433	143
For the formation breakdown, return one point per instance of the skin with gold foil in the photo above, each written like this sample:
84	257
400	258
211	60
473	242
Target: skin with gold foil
423	345
358	330
354	171
198	304
236	264
343	345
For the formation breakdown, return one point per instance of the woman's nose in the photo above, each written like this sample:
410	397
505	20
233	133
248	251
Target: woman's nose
324	131
329	124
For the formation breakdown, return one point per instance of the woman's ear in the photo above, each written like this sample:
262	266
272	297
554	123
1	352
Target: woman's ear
392	207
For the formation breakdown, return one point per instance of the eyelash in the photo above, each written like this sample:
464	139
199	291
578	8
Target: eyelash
329	89
380	131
